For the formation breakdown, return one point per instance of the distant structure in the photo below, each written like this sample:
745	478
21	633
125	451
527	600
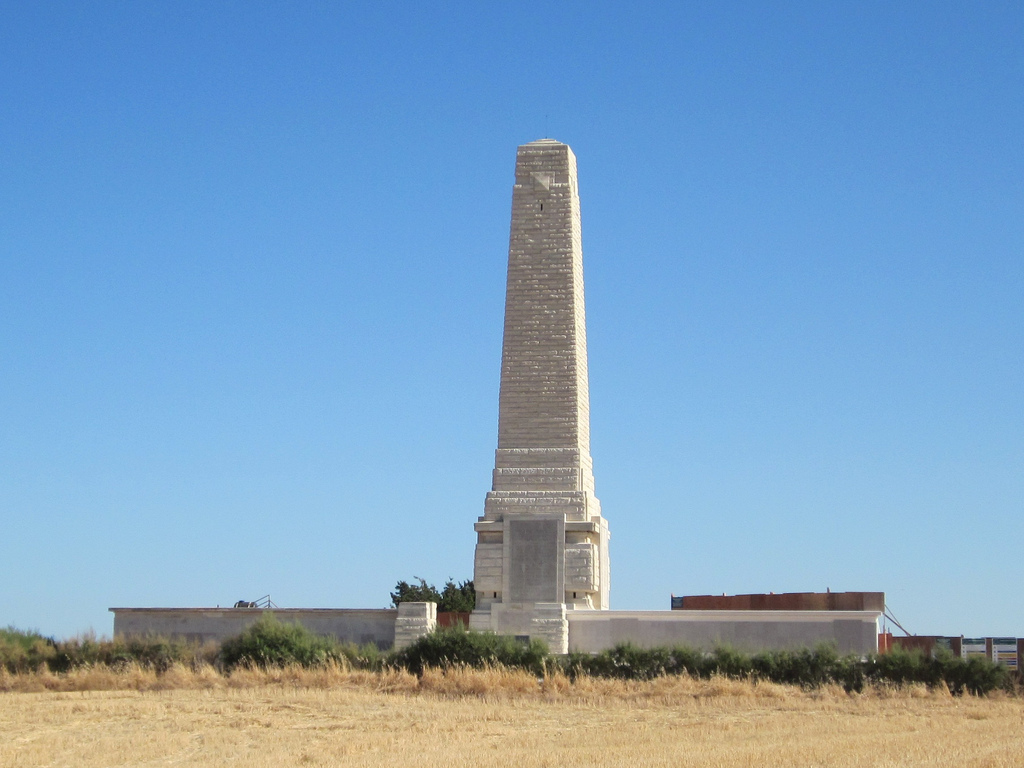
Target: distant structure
785	601
542	544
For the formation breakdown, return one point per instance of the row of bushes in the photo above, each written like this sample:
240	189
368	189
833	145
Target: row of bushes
30	652
270	643
806	668
267	643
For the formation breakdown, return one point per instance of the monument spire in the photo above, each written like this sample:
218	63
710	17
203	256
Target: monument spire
542	545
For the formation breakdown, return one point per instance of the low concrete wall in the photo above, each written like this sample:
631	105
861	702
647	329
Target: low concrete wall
354	625
850	631
589	631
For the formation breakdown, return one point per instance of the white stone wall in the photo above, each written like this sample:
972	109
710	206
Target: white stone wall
354	625
581	571
549	623
751	631
414	620
487	571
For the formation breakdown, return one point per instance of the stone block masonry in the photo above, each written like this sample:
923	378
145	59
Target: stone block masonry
350	625
413	622
542	542
748	631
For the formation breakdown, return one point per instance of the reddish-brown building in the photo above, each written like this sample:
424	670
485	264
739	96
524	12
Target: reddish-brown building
785	601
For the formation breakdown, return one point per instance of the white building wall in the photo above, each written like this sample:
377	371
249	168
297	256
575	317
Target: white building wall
750	631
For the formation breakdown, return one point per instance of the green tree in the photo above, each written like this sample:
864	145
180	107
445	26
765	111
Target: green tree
454	597
415	593
457	597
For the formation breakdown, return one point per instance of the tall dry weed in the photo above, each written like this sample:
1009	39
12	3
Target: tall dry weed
395	681
489	682
495	683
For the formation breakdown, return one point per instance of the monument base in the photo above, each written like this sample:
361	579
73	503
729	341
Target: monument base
535	621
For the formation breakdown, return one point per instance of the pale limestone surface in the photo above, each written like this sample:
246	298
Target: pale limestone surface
542	543
413	622
354	625
751	631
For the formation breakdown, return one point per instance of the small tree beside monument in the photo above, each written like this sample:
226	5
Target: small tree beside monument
454	598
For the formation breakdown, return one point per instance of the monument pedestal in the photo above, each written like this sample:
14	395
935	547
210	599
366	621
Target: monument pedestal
535	621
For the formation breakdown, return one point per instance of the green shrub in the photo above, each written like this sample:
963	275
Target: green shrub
271	643
975	675
455	646
150	651
982	676
22	651
625	662
29	652
730	663
900	667
367	656
806	668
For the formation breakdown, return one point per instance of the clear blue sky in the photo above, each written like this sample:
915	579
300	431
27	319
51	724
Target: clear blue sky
252	262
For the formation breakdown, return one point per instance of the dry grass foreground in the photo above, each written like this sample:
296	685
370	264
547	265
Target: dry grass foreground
492	718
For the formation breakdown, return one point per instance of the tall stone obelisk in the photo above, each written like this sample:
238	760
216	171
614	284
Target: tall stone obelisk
542	545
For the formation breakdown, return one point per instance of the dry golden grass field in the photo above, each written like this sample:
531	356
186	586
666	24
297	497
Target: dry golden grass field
488	718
